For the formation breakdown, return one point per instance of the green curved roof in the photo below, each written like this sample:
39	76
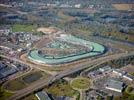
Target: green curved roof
96	50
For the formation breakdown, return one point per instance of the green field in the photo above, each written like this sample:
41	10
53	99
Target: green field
132	74
128	94
15	85
61	88
4	94
130	90
23	28
24	81
80	83
30	97
32	77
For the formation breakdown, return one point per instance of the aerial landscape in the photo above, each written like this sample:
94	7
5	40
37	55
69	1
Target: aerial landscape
66	49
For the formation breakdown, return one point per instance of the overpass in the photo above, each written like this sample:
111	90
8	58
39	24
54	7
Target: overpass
78	67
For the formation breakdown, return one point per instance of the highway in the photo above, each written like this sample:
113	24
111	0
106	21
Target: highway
26	63
41	83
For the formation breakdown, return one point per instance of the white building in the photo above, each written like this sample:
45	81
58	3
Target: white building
118	72
114	85
105	69
5	31
128	77
123	74
77	5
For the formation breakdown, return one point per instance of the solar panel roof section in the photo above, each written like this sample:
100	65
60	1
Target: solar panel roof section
7	71
1	76
2	65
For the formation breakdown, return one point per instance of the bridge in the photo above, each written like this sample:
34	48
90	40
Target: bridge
78	67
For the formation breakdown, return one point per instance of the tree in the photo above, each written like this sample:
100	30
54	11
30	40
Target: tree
131	97
109	98
1	92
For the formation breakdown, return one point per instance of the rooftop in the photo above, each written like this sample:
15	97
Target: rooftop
42	95
106	68
119	71
114	84
62	98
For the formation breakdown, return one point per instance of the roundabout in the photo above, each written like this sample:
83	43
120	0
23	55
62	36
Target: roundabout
130	90
80	83
65	48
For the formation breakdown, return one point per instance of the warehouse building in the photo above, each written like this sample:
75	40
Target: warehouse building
128	77
114	85
42	95
105	69
123	74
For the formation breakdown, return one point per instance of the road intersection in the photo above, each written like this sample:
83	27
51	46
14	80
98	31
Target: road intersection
78	67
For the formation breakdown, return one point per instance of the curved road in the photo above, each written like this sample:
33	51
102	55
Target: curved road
40	84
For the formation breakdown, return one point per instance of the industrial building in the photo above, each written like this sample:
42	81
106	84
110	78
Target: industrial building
6	71
128	77
42	95
114	85
105	69
123	74
118	72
